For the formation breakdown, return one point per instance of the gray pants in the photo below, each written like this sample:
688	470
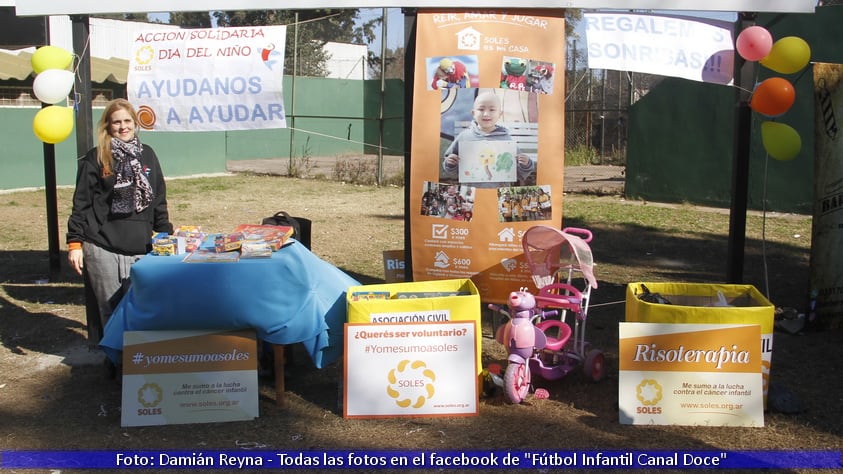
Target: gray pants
108	274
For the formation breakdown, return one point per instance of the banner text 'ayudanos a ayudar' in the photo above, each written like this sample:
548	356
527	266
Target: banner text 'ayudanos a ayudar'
209	79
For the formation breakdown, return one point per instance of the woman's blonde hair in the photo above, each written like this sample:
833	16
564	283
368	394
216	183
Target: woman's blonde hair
104	137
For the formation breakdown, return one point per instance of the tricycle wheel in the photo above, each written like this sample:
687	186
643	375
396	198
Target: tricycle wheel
595	365
516	382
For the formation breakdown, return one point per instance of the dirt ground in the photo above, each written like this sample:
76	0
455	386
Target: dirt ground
54	393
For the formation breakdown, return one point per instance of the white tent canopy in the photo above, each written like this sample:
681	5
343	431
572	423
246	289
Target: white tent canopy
77	7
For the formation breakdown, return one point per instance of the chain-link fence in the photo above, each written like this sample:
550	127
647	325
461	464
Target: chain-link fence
596	106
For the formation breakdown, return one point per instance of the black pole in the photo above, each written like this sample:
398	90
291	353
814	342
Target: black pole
52	207
82	100
84	142
409	70
53	250
740	160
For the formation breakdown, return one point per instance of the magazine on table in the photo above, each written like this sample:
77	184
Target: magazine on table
203	255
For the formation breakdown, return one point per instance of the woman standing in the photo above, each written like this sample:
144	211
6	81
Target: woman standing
120	199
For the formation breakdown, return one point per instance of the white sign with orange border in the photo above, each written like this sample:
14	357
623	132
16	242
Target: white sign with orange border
420	370
175	377
690	374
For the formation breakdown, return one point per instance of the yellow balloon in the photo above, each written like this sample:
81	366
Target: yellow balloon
53	124
780	140
788	55
50	57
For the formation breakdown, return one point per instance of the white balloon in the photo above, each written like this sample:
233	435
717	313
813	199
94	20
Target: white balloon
53	85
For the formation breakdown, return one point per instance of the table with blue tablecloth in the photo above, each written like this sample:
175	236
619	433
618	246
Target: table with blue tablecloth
291	297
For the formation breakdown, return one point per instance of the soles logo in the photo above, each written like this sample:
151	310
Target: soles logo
649	393
411	384
150	395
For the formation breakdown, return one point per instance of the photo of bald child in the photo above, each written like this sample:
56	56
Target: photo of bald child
485	153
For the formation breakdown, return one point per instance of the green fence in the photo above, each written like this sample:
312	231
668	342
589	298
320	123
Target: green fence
682	133
329	117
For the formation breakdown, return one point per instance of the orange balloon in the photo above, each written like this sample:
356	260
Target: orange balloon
773	97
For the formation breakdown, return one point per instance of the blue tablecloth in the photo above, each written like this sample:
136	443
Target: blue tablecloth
292	297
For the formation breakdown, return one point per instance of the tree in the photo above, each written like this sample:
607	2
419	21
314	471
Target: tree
191	19
304	53
395	60
572	17
125	16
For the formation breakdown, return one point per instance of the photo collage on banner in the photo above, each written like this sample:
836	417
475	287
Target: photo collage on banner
487	156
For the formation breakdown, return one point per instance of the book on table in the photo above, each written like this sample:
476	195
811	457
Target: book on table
276	235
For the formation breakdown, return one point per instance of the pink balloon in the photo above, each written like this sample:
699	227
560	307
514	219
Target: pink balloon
754	43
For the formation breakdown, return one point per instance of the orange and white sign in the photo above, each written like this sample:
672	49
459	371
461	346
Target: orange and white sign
412	370
175	377
690	374
488	142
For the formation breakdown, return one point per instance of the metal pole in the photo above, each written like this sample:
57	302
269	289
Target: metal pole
589	115
382	98
293	94
52	207
603	116
409	84
53	250
82	100
381	124
572	115
84	142
740	160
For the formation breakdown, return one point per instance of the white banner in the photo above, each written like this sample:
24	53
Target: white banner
699	50
208	79
827	230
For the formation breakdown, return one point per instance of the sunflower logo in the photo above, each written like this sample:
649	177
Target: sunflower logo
144	55
150	395
411	384
648	392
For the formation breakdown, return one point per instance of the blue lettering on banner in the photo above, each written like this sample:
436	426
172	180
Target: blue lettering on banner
188	87
227	113
647	25
642	53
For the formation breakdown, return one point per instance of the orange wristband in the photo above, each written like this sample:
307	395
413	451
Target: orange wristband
74	246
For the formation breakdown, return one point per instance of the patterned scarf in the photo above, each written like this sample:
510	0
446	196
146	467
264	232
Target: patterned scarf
132	192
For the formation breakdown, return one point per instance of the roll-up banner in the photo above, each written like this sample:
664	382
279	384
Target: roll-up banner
826	295
487	151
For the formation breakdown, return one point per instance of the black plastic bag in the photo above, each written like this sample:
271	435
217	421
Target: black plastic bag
650	297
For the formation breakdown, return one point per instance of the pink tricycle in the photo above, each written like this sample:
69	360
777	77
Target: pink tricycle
535	344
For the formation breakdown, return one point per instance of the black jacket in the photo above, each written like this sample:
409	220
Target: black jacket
92	221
